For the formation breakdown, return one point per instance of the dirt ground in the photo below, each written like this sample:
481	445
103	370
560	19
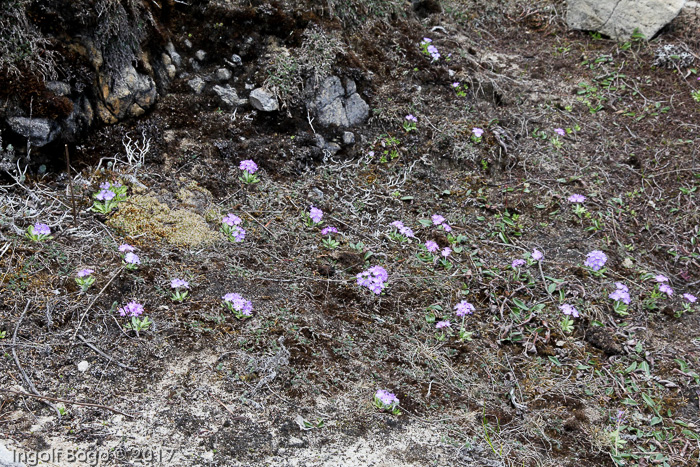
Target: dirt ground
294	384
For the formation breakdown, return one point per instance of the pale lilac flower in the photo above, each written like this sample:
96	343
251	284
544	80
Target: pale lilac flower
104	186
238	233
370	154
431	246
403	230
455	84
433	51
517	263
85	272
238	303
576	198
411	118
665	288
446	252
621	293
537	255
329	230
131	309
248	166
315	214
477	132
387	398
660	278
560	131
179	284
464	308
124	248
131	258
437	219
41	229
569	310
446	227
595	260
105	195
428	40
231	220
443	324
690	297
374	279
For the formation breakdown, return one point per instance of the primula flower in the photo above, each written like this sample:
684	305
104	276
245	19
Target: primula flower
315	214
411	118
124	248
41	229
431	246
437	219
446	227
665	288
238	304
455	84
231	220
537	255
403	230
179	284
104	186
131	258
575	198
386	398
595	260
248	166
443	324
428	40
85	272
329	230
131	309
374	279
517	263
691	298
560	131
446	252
477	132
621	294
569	310
105	195
464	308
660	278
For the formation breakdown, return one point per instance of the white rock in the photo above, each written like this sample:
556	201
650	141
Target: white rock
83	366
263	100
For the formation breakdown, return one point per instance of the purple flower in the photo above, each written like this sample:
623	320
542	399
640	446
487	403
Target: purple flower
125	248
131	258
446	227
477	132
386	398
517	263
431	246
621	293
559	131
41	229
537	255
691	298
437	219
231	220
131	309
238	233
104	186
374	279
595	260
446	252
85	272
665	288
402	229
660	278
105	195
455	84
428	40
315	214
248	166
411	118
179	284
569	310
464	308
433	51
443	324
239	304
575	198
329	230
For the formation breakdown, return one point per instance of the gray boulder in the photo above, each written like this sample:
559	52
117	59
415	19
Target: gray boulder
128	93
229	96
39	131
263	100
356	109
196	84
618	19
177	59
331	106
223	74
333	114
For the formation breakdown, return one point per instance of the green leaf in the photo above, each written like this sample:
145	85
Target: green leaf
554	360
540	206
520	304
656	421
406	198
648	400
551	287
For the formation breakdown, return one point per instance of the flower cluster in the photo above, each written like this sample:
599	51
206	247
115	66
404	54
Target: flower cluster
39	232
477	133
179	286
576	198
595	260
249	168
231	227
569	310
464	308
329	242
315	214
517	263
663	286
109	196
537	255
328	230
374	279
386	400
560	131
84	279
443	324
459	89
132	309
410	123
240	307
402	233
431	246
440	221
131	259
621	293
429	49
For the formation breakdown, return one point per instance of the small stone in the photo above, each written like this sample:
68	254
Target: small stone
263	100
357	110
187	43
628	263
237	60
294	441
229	96
171	71
223	74
249	86
350	87
197	84
200	55
58	87
83	366
39	131
177	59
349	137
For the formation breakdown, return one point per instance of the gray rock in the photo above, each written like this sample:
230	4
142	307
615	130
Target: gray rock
39	131
200	55
58	87
350	87
187	43
332	147
223	74
197	84
620	18
119	92
349	137
229	96
7	458
177	59
236	60
330	90
263	100
333	114
194	64
171	71
357	110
